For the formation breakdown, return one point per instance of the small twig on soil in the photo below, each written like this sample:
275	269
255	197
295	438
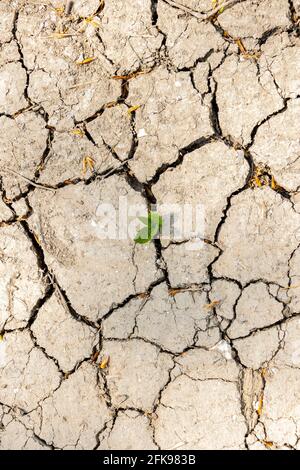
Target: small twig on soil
78	85
9	170
200	16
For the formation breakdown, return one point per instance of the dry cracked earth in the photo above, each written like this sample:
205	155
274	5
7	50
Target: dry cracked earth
106	344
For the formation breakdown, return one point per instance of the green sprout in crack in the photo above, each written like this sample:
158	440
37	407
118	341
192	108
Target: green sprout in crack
153	225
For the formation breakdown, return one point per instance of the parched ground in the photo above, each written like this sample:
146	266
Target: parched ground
106	344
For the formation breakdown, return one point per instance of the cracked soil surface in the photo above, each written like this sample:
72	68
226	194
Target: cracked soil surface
106	344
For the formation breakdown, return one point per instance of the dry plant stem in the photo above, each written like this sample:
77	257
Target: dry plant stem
200	16
47	188
40	186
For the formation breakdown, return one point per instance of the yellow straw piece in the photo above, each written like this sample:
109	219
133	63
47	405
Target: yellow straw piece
88	60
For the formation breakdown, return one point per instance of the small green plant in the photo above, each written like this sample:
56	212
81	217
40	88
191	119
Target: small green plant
153	225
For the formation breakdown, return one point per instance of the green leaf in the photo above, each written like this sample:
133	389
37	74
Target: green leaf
144	220
143	236
154	218
153	225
